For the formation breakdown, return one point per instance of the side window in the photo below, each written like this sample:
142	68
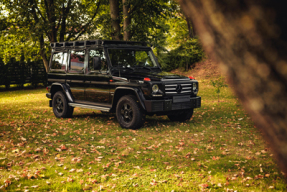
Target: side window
77	61
59	61
97	53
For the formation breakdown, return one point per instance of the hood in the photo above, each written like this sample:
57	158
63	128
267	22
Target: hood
153	75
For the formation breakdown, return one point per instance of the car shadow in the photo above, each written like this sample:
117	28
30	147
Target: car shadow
151	121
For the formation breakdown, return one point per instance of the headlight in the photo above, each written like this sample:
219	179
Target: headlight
194	88
155	88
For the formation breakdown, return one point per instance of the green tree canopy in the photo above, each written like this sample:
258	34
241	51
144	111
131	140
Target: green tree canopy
32	25
29	26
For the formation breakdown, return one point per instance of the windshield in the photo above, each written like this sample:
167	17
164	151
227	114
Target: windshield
131	58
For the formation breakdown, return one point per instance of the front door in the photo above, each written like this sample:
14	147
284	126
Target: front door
97	81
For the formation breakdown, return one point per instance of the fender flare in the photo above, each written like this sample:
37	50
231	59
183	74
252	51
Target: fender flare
137	92
66	90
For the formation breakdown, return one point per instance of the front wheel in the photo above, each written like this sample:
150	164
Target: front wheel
184	116
60	105
129	113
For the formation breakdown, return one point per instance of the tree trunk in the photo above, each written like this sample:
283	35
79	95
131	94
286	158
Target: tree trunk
43	53
45	61
249	39
65	12
190	27
127	20
50	11
114	10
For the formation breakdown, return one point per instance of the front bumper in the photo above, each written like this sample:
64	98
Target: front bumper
153	106
49	95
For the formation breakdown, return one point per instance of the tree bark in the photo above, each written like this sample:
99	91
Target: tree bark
50	11
249	39
43	53
114	11
190	27
65	12
127	20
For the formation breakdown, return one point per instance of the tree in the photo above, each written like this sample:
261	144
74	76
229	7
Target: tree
133	19
184	47
249	39
114	11
218	84
34	23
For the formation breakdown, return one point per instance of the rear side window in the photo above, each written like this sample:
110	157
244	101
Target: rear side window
77	61
59	61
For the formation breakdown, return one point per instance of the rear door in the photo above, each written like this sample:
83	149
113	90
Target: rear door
97	81
75	76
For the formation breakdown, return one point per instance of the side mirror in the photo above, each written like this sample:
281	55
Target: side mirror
97	63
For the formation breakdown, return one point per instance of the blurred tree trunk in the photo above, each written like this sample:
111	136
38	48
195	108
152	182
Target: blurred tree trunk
114	10
249	39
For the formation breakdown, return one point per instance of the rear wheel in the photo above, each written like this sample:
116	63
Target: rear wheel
183	116
129	113
60	105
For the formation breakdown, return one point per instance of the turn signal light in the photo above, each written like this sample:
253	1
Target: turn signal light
191	78
146	79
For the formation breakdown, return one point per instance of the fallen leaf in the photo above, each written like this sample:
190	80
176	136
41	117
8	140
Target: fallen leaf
169	167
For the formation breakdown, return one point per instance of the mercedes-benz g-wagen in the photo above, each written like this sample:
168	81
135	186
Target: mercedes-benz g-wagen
120	77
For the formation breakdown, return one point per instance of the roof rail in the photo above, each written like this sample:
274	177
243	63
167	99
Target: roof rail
75	43
86	43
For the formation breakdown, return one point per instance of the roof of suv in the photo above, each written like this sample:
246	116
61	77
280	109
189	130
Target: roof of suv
88	43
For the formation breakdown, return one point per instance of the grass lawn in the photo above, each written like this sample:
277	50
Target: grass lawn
219	149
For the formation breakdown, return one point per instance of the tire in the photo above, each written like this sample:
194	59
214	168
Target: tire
129	113
184	116
60	105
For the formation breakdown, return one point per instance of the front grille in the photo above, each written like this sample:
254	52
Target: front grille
177	106
179	88
157	106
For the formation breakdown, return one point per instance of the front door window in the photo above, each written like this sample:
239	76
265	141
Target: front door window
97	53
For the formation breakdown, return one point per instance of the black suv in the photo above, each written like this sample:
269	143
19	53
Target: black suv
117	76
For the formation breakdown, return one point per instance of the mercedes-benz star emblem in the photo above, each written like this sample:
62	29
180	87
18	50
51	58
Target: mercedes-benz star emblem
178	88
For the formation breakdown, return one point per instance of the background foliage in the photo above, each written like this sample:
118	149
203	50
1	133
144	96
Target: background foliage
28	27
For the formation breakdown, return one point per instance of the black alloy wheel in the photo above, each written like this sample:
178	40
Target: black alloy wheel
60	105
129	113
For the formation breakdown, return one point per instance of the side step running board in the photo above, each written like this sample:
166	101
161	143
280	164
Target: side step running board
105	109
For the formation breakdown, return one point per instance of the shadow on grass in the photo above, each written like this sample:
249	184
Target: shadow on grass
151	121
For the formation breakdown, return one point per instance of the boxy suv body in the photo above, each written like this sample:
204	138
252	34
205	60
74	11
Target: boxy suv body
120	77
